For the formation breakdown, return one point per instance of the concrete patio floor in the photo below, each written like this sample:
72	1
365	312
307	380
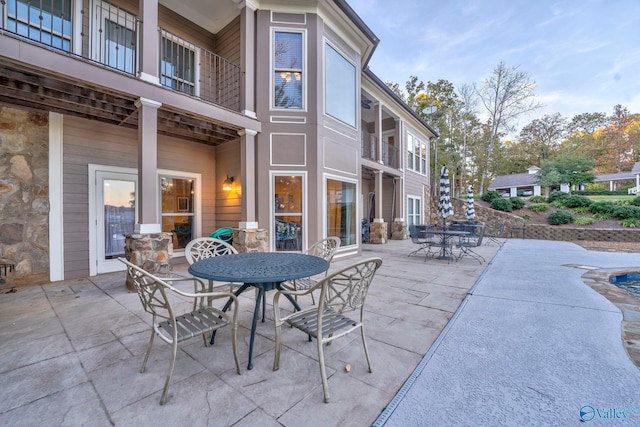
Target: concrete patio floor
71	353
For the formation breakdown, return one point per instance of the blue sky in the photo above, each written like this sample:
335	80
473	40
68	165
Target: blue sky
583	54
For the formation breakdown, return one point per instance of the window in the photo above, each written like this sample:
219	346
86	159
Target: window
416	154
287	69
414	216
288	219
115	44
48	22
177	65
340	87
341	211
177	199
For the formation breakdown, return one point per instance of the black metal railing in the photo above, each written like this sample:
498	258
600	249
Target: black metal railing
390	155
369	146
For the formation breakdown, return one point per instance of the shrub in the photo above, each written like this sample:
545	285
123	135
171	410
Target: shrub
630	222
583	220
558	203
490	196
581	210
525	216
501	204
602	216
537	199
602	208
560	217
626	212
574	201
517	202
539	207
635	201
557	195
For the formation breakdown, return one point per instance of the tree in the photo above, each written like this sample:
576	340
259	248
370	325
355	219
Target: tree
543	136
506	94
567	168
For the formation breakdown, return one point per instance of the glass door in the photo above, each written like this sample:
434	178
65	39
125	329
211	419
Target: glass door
287	208
115	217
177	212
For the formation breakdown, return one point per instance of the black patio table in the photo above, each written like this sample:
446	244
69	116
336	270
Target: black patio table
446	247
262	270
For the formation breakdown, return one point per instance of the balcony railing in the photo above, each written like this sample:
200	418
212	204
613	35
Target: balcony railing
110	36
390	153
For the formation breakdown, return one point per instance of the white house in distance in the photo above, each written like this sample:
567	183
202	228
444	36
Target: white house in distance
527	183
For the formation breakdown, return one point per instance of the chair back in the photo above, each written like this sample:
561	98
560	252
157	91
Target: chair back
479	234
207	247
346	290
325	248
413	233
151	291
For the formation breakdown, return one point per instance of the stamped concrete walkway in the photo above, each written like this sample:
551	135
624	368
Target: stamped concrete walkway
523	342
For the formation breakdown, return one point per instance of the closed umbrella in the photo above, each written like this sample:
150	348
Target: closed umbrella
471	211
445	209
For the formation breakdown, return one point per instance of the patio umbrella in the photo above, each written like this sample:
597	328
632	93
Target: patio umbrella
471	211
444	205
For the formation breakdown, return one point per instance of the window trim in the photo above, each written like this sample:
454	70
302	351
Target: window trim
411	198
411	165
303	70
328	43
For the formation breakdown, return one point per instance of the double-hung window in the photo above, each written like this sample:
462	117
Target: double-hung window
178	64
287	69
339	86
45	21
414	216
416	154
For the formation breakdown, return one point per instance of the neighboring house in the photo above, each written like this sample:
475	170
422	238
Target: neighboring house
252	115
526	183
517	183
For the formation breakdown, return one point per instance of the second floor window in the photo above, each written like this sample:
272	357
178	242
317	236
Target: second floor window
416	154
177	66
45	21
287	69
340	87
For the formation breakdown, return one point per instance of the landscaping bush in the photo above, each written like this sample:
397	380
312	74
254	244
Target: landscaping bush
602	216
517	202
630	222
557	195
539	207
626	212
583	220
537	199
558	203
635	201
574	201
605	208
581	210
490	196
501	204
560	217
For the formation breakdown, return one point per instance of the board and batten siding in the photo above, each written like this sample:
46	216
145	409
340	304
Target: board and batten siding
88	142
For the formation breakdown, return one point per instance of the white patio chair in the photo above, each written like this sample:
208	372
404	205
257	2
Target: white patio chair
172	328
341	293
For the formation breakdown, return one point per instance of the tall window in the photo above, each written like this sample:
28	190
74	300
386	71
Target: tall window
416	154
340	87
288	203
287	69
177	195
341	211
45	21
177	66
413	211
115	37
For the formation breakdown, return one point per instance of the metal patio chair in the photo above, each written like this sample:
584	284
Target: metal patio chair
341	294
493	237
173	328
466	244
325	249
421	236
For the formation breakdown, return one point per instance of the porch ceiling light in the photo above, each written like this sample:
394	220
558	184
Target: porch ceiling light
227	185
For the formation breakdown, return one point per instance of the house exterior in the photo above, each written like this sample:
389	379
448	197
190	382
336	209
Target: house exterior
517	182
141	118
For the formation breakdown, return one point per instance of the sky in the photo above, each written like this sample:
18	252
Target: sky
584	55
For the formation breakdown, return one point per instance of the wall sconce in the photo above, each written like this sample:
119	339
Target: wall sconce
227	185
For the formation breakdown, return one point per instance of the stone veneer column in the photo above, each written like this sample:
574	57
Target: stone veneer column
398	229
378	232
151	252
250	240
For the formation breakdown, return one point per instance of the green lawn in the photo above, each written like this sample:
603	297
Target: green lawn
611	198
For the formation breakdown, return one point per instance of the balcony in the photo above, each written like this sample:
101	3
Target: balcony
390	153
108	35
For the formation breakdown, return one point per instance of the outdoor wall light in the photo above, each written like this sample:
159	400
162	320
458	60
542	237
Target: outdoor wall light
227	185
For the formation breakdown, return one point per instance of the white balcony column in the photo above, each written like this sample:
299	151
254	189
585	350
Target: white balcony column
379	196
248	178
247	59
378	130
149	52
148	198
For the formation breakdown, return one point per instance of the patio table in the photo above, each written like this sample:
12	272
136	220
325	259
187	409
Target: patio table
446	247
262	270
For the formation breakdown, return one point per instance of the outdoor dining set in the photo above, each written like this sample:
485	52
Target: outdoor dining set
336	310
453	242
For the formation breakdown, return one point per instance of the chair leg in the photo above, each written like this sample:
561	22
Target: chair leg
366	350
234	346
146	356
165	392
323	370
276	357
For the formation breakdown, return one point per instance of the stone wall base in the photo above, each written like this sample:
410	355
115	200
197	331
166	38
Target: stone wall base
378	232
151	252
250	240
398	230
